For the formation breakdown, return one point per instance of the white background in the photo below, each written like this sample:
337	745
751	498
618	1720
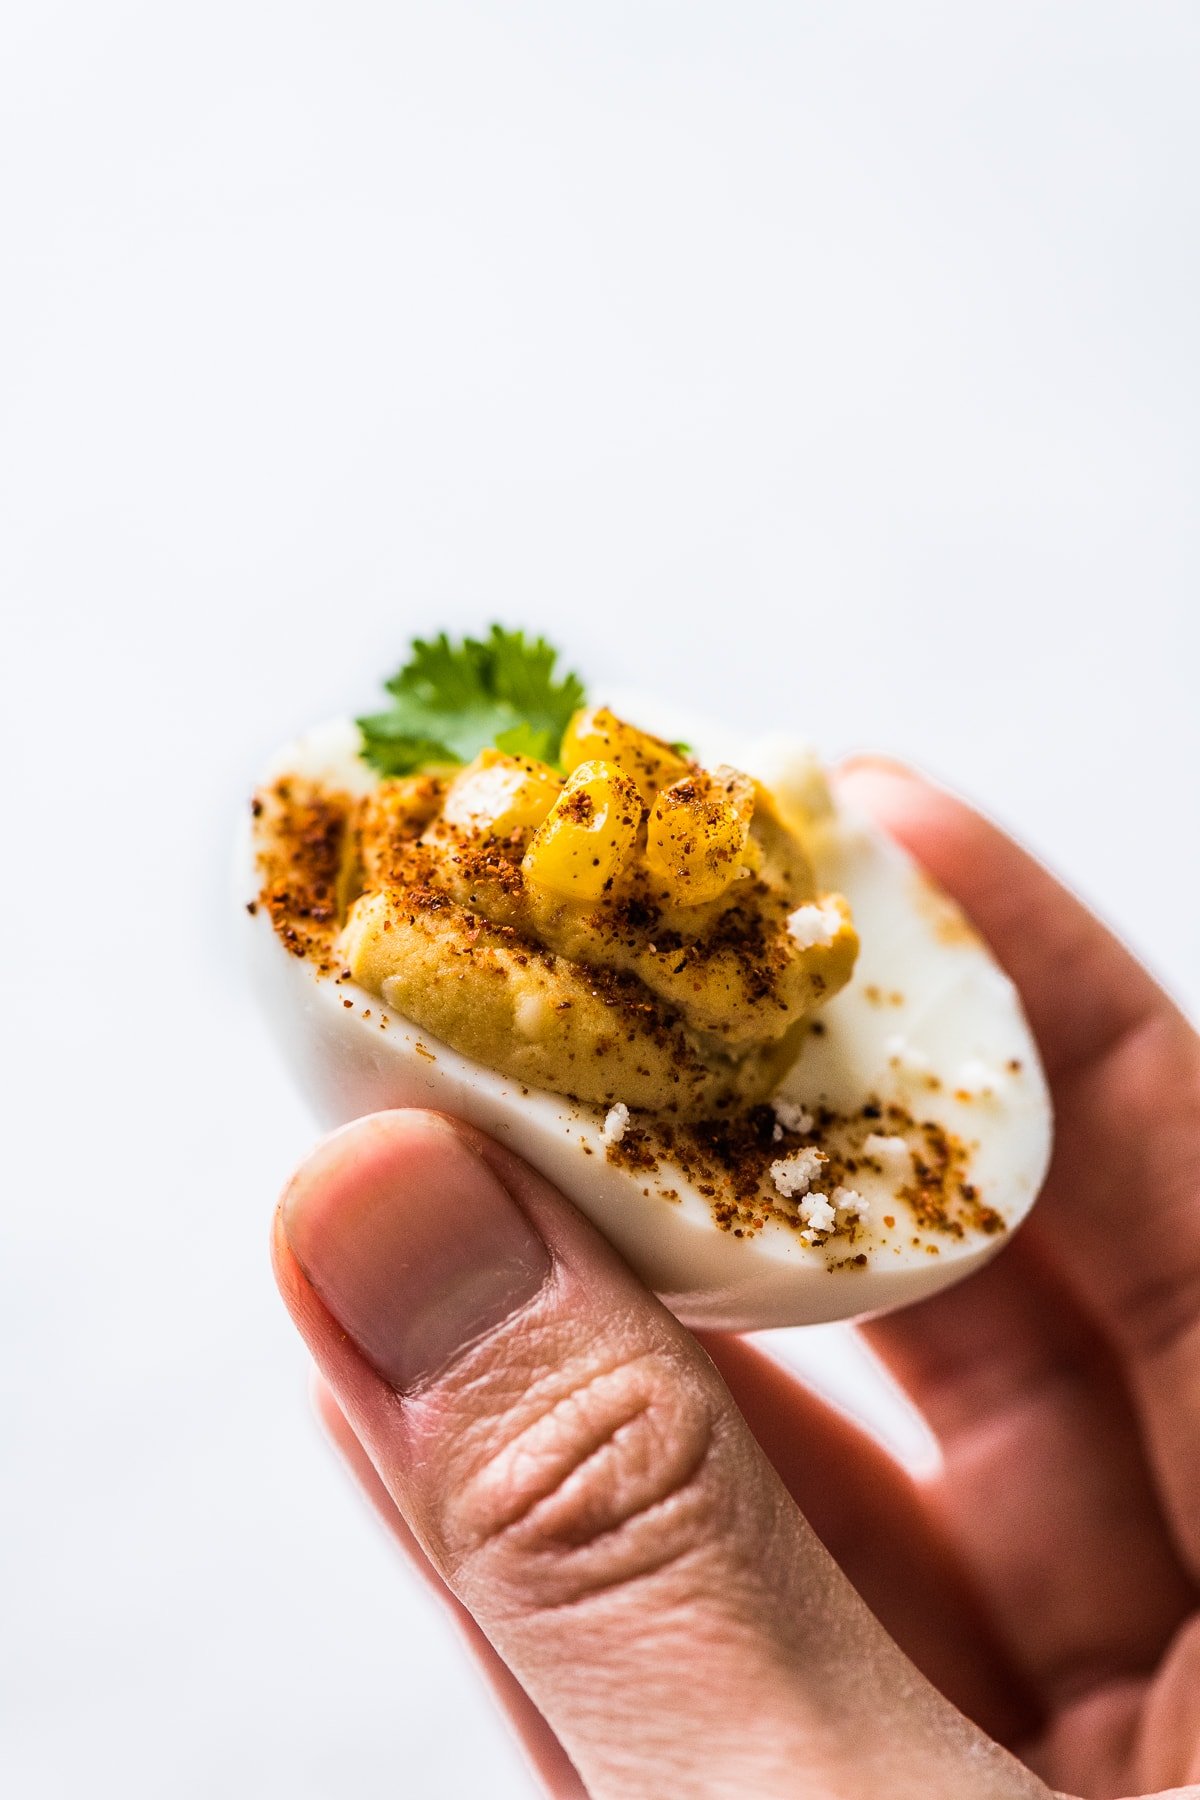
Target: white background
831	365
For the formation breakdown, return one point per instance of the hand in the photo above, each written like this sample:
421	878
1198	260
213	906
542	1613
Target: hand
643	1554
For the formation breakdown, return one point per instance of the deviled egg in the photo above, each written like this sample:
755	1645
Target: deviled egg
730	1020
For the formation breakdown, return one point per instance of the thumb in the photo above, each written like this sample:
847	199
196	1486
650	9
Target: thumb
577	1473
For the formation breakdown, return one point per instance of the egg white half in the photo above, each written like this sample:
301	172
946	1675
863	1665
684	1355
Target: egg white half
928	1020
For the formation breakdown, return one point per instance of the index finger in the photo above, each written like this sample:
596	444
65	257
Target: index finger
1120	1217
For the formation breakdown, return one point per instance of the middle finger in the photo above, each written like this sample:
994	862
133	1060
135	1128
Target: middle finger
1044	1484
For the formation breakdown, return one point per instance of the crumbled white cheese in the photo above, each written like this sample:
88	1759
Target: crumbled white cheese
814	926
533	1014
818	1212
791	1116
777	1133
794	1175
849	1203
906	1057
888	1150
615	1123
975	1077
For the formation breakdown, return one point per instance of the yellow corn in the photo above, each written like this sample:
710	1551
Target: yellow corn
739	789
590	831
498	794
698	834
596	734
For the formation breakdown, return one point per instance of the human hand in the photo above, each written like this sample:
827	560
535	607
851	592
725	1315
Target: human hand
645	1570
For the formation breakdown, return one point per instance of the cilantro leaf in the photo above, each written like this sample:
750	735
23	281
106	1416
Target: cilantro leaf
450	700
388	747
529	740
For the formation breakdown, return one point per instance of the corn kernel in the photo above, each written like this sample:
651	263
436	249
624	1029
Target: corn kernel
498	794
591	830
596	734
698	833
739	789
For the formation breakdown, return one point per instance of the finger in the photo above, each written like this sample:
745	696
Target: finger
876	1522
865	1509
546	1755
1126	1076
863	1506
572	1465
1043	1483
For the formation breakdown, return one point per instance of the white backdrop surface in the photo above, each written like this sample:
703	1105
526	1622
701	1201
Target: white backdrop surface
833	366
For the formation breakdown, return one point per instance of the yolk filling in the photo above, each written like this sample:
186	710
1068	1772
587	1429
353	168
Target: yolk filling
618	933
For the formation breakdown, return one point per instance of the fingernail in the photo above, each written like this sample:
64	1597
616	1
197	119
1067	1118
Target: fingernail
412	1242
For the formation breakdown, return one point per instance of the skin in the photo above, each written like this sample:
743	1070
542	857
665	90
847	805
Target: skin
739	1592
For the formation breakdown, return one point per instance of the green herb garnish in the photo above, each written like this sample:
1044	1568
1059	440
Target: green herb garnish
450	701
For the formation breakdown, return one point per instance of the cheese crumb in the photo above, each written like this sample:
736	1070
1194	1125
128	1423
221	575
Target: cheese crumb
532	1015
818	1212
794	1175
791	1115
905	1057
615	1123
975	1077
850	1202
893	1150
814	927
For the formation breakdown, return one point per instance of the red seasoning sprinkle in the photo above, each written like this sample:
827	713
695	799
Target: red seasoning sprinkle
729	1161
316	847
